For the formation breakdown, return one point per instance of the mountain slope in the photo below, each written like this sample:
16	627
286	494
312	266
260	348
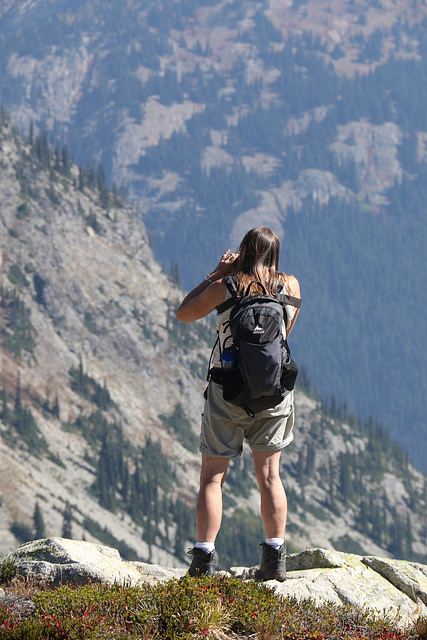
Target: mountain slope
101	395
97	309
217	116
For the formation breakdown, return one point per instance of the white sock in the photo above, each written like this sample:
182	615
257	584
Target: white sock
275	542
206	546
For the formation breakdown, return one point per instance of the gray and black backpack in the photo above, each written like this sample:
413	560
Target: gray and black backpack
257	370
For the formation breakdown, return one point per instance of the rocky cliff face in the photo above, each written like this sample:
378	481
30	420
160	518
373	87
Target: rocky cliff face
94	293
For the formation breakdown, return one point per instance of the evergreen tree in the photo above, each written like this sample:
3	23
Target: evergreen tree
39	526
345	477
31	133
397	533
82	179
106	479
57	158
134	507
166	512
332	495
18	402
409	538
310	465
67	521
362	518
179	539
66	165
5	413
55	407
104	193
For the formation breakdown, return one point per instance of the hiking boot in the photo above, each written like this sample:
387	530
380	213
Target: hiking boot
273	564
203	563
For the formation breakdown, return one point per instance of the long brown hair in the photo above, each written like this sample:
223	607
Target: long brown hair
259	260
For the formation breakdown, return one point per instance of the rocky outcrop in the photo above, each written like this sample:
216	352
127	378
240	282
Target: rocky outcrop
396	587
56	561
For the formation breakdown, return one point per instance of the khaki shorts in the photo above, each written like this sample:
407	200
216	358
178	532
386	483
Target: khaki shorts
225	425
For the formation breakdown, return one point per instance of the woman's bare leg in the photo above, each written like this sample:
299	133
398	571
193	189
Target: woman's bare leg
209	501
274	507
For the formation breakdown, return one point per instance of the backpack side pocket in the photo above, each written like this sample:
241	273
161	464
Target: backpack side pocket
289	372
232	383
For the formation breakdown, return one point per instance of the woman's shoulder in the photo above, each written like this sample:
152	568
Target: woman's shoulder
291	284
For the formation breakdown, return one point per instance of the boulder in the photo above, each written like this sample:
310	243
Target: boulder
56	561
395	587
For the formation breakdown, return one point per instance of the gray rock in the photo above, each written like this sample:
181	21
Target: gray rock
408	577
153	573
17	605
395	587
57	561
315	559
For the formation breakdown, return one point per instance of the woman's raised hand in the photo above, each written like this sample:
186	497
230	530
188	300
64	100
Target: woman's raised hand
226	265
204	298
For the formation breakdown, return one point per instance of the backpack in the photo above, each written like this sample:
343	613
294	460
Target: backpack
257	370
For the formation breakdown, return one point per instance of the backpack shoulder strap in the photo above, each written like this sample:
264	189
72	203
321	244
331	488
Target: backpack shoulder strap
232	285
283	298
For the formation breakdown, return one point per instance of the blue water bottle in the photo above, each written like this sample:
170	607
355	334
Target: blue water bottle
228	359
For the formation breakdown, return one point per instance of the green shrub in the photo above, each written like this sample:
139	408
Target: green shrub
90	323
52	195
22	211
17	332
17	277
7	571
217	608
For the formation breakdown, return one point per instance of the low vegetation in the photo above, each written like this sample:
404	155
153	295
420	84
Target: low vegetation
218	608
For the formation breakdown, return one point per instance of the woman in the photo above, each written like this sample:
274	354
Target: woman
225	425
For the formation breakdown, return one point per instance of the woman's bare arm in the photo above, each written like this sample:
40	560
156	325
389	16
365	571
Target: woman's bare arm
294	290
206	296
